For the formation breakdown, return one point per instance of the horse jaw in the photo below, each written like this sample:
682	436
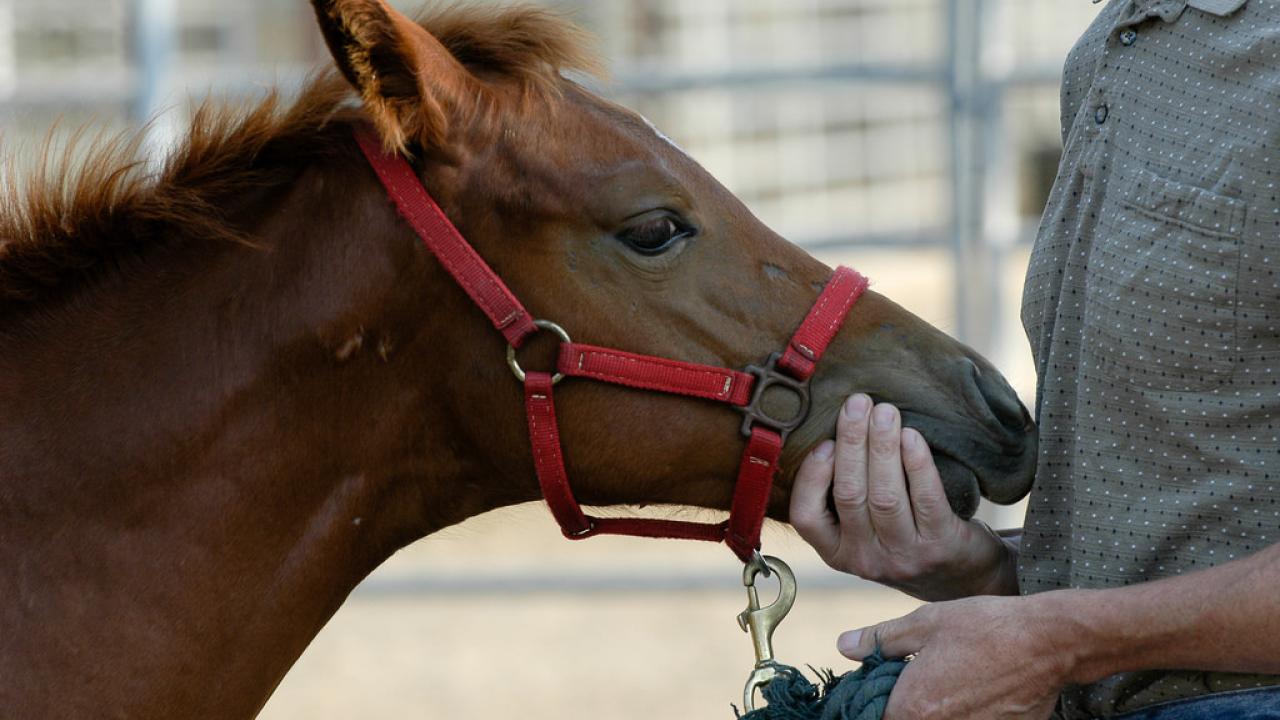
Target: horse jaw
983	440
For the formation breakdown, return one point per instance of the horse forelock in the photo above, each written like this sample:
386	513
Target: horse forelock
86	203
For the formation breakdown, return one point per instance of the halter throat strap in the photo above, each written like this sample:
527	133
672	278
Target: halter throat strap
788	371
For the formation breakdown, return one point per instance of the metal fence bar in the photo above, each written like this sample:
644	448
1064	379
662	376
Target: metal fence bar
121	87
8	54
962	83
655	581
633	81
153	27
638	81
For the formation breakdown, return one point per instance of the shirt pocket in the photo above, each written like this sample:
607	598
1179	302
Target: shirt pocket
1162	287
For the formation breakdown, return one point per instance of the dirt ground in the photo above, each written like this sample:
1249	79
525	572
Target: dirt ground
500	617
590	653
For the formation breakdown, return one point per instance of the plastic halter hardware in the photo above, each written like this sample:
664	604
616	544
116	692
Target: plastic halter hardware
768	378
760	622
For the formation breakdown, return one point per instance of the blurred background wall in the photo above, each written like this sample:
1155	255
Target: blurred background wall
913	139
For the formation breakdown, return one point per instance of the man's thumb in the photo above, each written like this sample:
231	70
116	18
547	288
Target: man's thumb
894	638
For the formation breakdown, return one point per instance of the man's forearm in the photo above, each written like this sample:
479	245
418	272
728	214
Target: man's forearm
1225	618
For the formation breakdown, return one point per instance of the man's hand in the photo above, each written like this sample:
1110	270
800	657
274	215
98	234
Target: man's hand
891	521
975	659
997	657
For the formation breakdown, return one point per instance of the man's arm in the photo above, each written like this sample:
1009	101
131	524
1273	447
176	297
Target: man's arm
1224	618
1009	657
872	504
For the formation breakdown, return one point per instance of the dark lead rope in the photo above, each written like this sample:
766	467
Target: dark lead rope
861	694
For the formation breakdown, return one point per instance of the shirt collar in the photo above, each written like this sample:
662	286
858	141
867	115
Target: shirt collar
1170	10
1221	8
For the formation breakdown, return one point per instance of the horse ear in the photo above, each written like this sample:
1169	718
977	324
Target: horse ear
409	82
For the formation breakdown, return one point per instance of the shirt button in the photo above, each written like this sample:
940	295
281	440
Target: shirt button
1100	115
1128	37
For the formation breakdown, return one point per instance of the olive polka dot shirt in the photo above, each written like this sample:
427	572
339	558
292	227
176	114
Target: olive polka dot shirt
1152	304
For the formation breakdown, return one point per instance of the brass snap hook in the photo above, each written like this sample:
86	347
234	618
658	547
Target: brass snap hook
760	622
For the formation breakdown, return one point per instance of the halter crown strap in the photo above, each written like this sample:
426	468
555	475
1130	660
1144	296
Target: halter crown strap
790	370
466	266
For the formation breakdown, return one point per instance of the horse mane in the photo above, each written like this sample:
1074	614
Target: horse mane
91	205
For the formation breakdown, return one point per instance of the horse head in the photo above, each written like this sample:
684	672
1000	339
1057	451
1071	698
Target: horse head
602	224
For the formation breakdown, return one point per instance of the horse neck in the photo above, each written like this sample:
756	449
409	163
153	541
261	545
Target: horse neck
202	461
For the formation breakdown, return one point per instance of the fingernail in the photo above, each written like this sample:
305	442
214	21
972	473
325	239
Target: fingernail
910	439
848	643
883	416
823	451
856	406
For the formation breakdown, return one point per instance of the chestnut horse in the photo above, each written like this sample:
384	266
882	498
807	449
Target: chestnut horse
231	388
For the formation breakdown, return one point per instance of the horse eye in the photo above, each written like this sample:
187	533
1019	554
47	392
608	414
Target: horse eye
655	236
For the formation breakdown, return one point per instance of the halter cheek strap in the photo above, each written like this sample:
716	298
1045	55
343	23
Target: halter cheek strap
787	372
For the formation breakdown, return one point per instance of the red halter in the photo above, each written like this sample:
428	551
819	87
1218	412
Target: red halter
789	370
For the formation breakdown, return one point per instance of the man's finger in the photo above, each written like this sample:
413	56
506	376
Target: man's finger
888	504
929	503
810	515
849	489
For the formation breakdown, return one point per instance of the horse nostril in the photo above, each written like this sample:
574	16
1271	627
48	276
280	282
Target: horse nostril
1001	399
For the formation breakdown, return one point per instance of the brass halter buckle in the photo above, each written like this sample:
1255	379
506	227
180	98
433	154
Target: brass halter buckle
769	379
760	622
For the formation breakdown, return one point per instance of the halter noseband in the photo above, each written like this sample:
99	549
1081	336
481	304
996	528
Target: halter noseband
745	390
